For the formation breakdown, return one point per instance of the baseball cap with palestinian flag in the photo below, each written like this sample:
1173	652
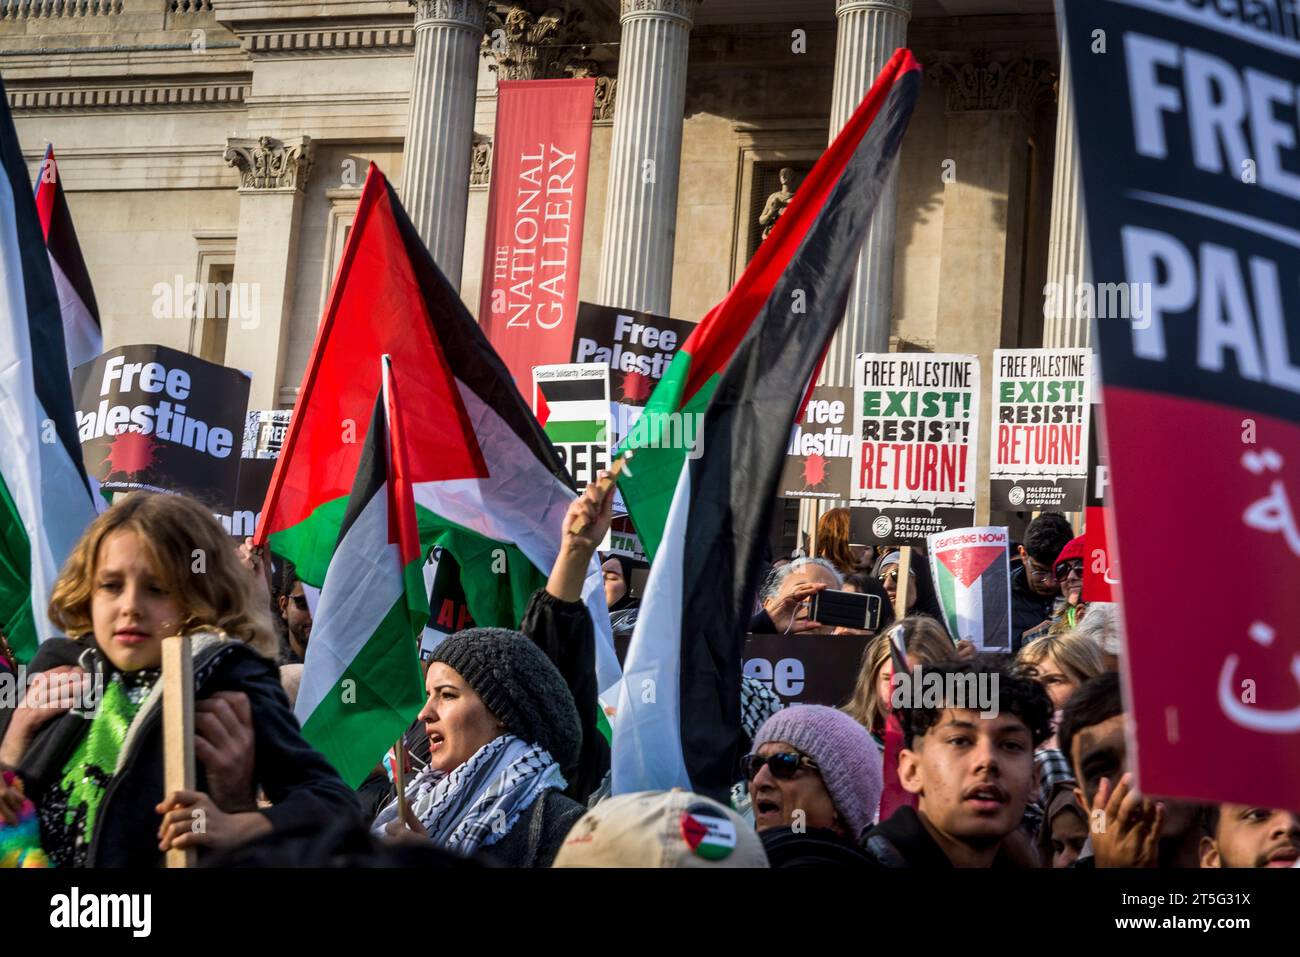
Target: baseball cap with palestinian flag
661	829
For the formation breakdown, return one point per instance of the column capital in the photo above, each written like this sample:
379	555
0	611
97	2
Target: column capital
681	10
902	8
982	82
523	45
267	164
463	14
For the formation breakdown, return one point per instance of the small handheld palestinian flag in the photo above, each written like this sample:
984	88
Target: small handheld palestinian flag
972	575
710	447
361	684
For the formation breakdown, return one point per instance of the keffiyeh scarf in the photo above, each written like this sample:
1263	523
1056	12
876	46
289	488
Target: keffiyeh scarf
479	802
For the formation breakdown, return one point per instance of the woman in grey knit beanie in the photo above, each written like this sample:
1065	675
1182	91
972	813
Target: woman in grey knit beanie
503	732
814	766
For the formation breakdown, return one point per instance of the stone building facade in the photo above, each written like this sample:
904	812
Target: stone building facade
217	141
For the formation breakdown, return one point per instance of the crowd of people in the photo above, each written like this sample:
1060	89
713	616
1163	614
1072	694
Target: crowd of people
508	762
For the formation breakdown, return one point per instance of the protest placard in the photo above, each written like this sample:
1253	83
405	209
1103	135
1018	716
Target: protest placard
264	433
811	669
1187	132
916	420
155	419
571	401
1038	454
638	348
1101	567
808	669
820	455
623	539
972	578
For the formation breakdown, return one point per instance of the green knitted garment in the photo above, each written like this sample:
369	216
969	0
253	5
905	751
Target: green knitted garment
89	770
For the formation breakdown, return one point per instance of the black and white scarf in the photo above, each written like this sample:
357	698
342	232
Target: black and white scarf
479	802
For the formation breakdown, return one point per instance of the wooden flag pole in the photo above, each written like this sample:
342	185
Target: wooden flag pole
178	728
903	582
604	485
399	780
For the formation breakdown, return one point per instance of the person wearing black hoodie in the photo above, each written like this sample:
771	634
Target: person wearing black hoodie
1034	588
623	607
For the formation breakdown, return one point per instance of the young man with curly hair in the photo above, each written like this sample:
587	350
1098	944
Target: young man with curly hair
971	765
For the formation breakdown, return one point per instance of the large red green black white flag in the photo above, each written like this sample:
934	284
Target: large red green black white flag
488	485
709	448
361	686
46	499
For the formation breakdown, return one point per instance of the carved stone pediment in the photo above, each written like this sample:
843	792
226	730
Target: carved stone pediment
268	163
981	81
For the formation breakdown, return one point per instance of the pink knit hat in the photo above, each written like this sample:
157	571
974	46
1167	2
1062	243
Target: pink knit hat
844	751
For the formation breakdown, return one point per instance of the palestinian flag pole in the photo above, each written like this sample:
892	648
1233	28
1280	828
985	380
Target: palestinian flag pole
488	485
361	685
704	511
81	330
45	496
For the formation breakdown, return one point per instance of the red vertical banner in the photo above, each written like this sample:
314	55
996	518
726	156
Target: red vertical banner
533	252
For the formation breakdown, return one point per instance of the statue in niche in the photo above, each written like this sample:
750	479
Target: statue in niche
778	201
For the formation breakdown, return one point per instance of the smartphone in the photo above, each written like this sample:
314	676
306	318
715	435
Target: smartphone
848	608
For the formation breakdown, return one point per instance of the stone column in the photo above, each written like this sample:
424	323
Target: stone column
636	260
869	31
440	130
272	180
1067	246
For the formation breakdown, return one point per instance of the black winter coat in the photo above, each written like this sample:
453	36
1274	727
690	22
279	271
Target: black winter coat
563	630
538	835
1028	608
300	783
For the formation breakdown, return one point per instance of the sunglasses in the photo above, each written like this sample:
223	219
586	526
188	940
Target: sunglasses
892	575
784	765
299	602
1066	569
1039	572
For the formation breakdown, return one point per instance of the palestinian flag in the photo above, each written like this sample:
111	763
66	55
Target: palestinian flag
81	332
488	485
973	579
745	372
573	411
45	497
361	685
